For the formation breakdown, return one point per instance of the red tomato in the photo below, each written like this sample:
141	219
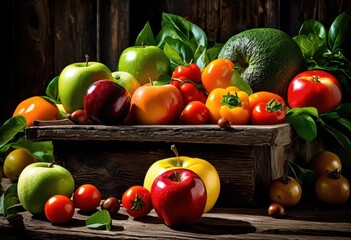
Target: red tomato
272	112
217	74
195	112
315	88
189	72
263	96
191	93
87	197
59	209
137	201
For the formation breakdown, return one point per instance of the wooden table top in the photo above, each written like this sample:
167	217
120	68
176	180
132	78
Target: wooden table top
219	223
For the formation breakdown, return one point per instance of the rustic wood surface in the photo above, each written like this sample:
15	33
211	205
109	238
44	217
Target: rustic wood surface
246	157
301	222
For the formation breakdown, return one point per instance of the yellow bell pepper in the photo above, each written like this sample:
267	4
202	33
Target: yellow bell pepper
229	103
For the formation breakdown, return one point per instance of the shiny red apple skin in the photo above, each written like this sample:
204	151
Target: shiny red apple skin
106	102
179	197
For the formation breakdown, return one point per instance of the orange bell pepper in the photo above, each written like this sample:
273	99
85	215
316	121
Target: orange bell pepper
229	103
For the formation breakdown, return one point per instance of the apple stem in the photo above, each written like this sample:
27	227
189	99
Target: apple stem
86	59
174	149
52	164
148	75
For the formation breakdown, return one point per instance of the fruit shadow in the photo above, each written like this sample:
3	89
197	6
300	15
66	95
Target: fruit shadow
209	226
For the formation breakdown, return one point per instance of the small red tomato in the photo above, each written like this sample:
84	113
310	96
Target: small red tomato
272	112
194	113
276	210
137	201
191	93
87	197
188	72
59	209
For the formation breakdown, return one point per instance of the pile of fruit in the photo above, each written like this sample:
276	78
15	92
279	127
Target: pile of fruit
260	76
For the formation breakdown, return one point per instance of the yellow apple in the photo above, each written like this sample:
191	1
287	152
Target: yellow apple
203	168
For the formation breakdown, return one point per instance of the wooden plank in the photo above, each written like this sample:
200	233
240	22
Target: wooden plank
220	223
248	135
74	31
114	31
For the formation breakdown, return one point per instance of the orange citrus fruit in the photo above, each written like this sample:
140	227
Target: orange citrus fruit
37	108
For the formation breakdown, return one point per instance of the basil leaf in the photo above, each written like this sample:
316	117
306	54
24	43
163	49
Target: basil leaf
213	52
345	122
337	142
52	90
11	128
340	33
303	123
169	31
146	36
184	51
313	26
11	204
100	219
203	60
303	175
192	32
344	110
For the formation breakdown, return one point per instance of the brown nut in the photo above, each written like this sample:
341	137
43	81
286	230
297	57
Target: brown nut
276	210
111	204
224	124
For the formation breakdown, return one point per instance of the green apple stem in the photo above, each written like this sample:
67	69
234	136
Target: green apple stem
148	75
174	149
52	164
86	60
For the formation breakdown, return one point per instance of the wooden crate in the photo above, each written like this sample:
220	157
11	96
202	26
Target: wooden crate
114	158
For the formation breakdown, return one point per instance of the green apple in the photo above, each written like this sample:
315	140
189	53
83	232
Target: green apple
75	79
41	180
145	63
126	80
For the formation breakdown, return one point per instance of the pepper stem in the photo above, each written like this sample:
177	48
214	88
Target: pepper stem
231	100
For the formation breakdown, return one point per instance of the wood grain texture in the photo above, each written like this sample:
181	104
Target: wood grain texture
220	223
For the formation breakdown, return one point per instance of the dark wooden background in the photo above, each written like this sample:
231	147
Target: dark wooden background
40	37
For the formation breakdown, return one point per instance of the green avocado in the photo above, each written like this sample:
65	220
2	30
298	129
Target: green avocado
266	58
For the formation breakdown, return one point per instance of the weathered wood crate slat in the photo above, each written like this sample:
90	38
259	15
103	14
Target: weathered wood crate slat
114	158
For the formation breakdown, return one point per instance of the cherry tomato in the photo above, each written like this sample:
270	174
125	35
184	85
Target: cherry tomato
87	197
195	112
137	201
191	93
37	108
332	188
272	112
59	209
263	96
323	161
315	88
188	72
217	74
286	191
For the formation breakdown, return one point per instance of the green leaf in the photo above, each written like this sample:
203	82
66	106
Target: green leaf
239	82
43	151
52	90
11	128
162	80
177	50
311	45
338	143
301	119
344	110
191	31
303	175
313	26
340	33
203	60
146	36
100	219
11	204
213	52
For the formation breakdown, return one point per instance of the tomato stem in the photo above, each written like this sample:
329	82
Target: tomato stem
86	60
334	174
315	78
274	105
174	149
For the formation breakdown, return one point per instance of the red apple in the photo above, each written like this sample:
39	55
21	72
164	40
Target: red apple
151	104
179	197
106	102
